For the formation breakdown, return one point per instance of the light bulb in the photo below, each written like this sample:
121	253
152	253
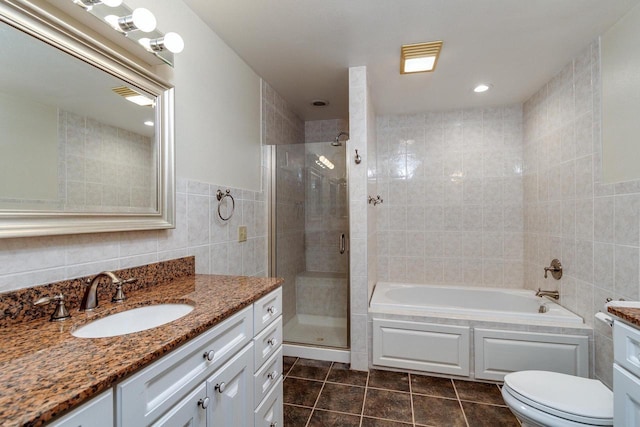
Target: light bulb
173	42
112	3
113	21
144	20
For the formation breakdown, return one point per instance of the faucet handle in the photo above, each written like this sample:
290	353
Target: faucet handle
61	312
119	295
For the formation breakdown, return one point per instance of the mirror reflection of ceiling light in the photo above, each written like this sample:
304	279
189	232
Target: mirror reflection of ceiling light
326	162
419	57
148	123
133	96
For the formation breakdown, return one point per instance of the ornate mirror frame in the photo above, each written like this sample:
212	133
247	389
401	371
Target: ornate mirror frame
41	24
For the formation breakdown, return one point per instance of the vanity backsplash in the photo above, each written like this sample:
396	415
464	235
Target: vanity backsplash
17	306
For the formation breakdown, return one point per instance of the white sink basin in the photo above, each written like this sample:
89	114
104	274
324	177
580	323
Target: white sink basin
134	320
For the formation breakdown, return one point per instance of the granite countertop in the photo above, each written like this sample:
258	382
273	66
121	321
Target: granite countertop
45	370
629	314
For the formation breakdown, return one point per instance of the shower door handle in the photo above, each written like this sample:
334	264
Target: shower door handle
343	245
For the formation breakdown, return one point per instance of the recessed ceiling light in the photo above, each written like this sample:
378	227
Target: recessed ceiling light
482	87
133	96
419	57
319	103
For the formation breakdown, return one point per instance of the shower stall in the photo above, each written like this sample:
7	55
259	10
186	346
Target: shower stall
309	244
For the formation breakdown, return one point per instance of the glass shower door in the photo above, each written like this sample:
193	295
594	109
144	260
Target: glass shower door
310	207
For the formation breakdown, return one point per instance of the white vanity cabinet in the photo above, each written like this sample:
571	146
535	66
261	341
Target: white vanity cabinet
267	377
626	375
98	412
214	379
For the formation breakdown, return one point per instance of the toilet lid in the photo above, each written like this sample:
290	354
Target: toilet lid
569	394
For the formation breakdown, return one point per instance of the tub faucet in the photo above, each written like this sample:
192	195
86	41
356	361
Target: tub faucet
90	299
551	294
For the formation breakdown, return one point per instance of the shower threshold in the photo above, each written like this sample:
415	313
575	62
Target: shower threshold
317	330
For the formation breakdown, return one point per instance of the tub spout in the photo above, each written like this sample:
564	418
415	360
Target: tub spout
551	294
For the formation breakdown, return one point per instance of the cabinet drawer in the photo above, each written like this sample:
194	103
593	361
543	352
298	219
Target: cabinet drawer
267	343
626	347
267	376
266	310
147	395
98	412
270	411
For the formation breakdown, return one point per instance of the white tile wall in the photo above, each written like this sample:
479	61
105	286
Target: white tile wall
593	228
452	188
362	136
26	262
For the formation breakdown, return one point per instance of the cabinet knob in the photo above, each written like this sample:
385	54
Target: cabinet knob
271	310
209	355
272	342
203	403
220	387
272	375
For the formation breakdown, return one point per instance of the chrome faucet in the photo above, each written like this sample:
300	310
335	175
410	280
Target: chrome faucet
551	294
90	298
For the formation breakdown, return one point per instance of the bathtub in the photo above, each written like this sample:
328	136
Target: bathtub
480	303
476	333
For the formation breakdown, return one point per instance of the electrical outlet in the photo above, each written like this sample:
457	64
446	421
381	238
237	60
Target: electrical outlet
242	233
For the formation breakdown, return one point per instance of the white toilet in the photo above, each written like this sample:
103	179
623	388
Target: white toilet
551	399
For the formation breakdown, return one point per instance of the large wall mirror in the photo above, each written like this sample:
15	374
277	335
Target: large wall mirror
86	135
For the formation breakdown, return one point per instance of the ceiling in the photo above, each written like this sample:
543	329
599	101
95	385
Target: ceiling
303	48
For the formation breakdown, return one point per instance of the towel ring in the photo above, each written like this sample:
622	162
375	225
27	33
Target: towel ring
221	196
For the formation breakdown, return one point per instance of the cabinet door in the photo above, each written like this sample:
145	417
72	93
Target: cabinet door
187	412
98	412
230	390
626	398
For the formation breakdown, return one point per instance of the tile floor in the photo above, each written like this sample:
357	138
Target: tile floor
318	393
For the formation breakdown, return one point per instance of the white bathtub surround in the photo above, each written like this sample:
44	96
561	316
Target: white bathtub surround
361	137
452	185
492	304
569	213
475	342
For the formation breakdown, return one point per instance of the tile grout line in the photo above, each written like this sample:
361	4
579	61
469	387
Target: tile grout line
364	400
319	394
413	415
460	402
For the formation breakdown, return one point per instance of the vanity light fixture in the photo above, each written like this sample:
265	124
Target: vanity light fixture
419	57
171	42
138	25
140	19
87	4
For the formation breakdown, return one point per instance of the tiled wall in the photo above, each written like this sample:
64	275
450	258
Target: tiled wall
26	262
452	189
282	127
362	135
96	165
593	228
325	130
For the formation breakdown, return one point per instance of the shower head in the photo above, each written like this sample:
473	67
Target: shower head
337	142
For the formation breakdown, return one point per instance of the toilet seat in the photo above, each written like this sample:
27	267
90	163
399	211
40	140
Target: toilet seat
578	399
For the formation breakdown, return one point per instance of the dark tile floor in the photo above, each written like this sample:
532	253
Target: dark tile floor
324	394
